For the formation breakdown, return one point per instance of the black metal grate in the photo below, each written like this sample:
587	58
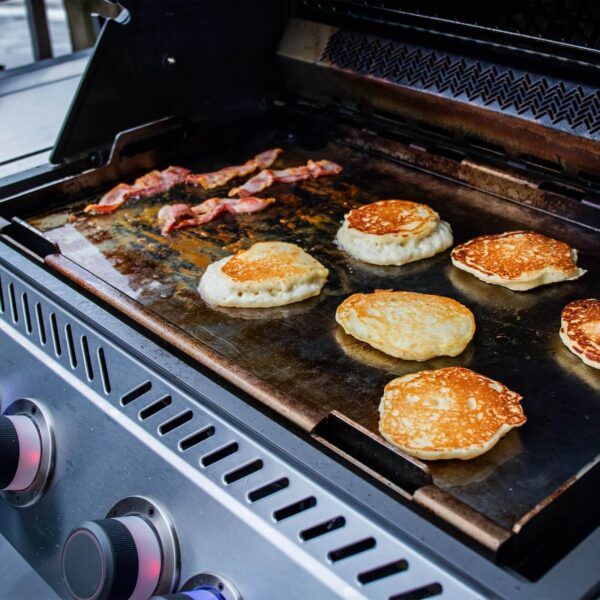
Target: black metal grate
554	103
573	22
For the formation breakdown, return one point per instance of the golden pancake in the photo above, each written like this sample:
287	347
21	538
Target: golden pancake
580	330
518	260
400	217
448	413
393	232
267	274
408	325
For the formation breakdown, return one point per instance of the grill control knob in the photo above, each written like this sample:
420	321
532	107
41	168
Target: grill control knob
21	452
204	586
115	558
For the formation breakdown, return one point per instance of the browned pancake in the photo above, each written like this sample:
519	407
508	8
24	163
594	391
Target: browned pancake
400	217
277	265
408	325
580	330
519	260
266	275
447	413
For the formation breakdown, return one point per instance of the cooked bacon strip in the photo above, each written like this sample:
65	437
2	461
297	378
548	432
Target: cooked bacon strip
168	216
111	200
321	168
267	177
255	184
155	182
212	180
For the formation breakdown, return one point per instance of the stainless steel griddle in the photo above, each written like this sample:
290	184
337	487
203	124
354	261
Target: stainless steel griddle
298	361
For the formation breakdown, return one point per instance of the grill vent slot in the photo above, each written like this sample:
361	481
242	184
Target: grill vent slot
26	313
71	346
103	371
427	591
352	549
54	333
196	438
268	490
155	407
295	509
175	422
39	317
220	454
245	471
321	529
384	571
135	393
564	190
13	303
87	360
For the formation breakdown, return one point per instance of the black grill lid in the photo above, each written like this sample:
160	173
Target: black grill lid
164	58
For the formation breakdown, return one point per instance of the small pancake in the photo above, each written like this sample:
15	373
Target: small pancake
400	217
517	260
267	274
408	325
448	413
393	232
580	330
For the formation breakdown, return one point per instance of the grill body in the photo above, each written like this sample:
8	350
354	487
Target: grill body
291	497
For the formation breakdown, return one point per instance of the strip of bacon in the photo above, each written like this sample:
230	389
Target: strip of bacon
255	184
155	182
212	180
264	179
170	216
111	200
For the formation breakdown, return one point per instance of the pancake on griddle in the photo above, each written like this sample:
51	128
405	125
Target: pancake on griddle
448	413
408	325
517	260
267	274
580	330
393	232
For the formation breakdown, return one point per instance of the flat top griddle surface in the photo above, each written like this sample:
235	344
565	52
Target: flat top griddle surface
300	349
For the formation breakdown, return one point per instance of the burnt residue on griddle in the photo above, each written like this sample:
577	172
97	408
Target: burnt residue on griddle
300	349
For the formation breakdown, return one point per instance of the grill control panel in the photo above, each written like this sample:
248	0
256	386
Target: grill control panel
132	436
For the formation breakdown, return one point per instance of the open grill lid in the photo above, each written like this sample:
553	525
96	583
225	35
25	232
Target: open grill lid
160	59
517	77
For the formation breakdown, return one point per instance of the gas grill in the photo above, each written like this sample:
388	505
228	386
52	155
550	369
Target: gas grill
245	442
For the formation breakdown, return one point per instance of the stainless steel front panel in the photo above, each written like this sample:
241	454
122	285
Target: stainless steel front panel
106	452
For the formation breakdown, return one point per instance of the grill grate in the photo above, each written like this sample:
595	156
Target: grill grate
571	107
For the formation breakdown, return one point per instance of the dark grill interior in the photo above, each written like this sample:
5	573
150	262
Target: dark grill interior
572	22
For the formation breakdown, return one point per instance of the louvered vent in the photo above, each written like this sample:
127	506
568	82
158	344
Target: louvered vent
53	331
570	107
